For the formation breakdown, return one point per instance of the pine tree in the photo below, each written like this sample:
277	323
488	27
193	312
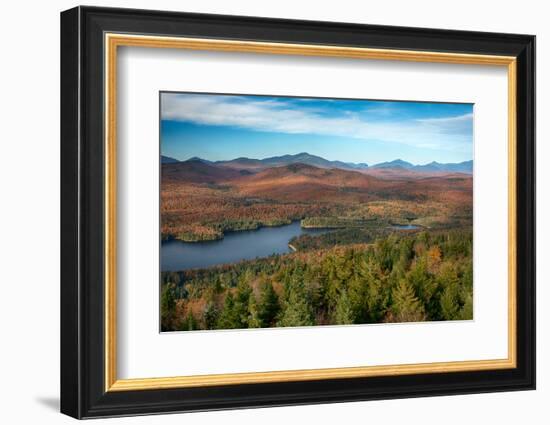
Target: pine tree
357	295
424	285
334	281
167	308
242	301
467	278
343	315
449	301
254	320
297	310
210	315
268	305
404	256
367	291
406	306
229	319
189	323
467	310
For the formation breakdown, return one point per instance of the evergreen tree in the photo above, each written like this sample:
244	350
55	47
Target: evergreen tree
449	301
189	323
370	298
335	280
167	308
343	314
467	310
357	295
229	319
210	315
384	253
401	277
296	311
242	301
404	255
268	305
254	320
406	306
467	277
424	285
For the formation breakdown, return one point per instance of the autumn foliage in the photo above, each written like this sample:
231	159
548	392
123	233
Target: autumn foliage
365	270
400	278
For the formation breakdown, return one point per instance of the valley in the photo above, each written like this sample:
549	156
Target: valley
201	201
281	242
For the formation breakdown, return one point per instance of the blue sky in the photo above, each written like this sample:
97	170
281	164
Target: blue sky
221	127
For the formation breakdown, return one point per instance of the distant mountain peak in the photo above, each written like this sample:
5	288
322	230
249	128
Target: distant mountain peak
434	166
198	159
400	161
395	163
167	160
306	155
243	160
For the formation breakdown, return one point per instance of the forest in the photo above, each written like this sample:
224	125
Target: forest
360	268
202	202
340	278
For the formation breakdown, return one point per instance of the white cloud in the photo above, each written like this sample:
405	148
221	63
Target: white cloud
450	133
456	124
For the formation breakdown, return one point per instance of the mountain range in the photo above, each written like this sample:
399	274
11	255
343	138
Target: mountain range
252	164
456	167
301	182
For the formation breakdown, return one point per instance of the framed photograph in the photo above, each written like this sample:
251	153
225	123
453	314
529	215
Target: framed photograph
261	212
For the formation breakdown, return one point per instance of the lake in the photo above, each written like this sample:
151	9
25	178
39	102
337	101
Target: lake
405	226
235	246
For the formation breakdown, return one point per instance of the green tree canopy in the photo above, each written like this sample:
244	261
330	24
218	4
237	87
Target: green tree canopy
406	306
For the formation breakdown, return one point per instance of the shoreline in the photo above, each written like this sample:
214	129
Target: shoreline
260	226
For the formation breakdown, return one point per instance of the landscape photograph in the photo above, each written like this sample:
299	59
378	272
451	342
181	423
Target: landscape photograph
297	211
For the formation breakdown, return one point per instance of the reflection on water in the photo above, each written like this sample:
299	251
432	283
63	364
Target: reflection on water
235	246
405	226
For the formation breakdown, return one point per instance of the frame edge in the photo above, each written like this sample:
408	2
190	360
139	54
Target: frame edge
70	365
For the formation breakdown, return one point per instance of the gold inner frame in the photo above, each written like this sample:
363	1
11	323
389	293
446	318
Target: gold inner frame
113	41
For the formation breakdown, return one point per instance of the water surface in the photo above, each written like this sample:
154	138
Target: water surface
235	246
405	226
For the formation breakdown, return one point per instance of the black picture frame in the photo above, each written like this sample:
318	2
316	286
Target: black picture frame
83	392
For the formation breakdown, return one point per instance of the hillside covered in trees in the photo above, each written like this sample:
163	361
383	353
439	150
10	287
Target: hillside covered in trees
362	269
203	201
403	276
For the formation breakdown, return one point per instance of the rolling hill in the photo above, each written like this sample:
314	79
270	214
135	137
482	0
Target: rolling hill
201	200
300	158
167	160
196	171
305	183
